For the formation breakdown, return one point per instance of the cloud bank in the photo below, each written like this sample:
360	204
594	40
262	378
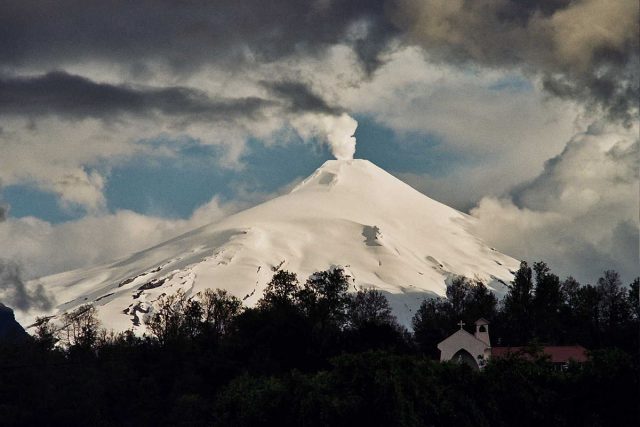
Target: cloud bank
585	49
94	240
580	213
499	85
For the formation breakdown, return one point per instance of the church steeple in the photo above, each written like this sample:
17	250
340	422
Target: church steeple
482	331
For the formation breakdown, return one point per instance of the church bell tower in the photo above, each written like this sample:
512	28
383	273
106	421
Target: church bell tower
482	331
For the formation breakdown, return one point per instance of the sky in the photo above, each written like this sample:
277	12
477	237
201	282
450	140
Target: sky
123	124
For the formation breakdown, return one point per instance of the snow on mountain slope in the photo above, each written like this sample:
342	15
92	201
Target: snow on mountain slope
348	212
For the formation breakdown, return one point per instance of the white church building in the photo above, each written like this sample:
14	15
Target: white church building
475	350
461	346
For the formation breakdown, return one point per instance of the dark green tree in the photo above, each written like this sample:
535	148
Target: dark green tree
369	306
324	297
547	305
516	318
586	314
458	296
81	327
431	324
276	335
219	309
634	299
480	302
46	335
371	324
615	312
575	321
570	289
282	290
168	322
614	303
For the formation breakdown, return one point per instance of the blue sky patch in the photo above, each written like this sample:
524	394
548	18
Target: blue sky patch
512	83
27	200
402	152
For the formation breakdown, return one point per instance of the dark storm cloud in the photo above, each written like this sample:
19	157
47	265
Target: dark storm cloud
616	88
522	10
184	34
300	97
77	97
585	50
14	291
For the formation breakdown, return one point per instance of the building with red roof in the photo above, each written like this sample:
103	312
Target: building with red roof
475	350
557	354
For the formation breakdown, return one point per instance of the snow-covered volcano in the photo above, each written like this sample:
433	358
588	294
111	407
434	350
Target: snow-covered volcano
348	212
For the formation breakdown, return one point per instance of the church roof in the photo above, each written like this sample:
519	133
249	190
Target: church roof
482	321
462	333
558	354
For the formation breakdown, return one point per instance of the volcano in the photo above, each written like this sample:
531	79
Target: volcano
348	213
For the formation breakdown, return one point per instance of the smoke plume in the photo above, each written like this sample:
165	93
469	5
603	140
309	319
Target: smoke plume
337	131
15	292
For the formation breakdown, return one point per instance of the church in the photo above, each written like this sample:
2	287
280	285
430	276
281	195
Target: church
475	350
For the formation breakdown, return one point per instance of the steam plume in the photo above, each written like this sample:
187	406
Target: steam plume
337	131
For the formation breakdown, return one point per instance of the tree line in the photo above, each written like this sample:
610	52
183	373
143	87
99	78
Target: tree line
538	307
315	354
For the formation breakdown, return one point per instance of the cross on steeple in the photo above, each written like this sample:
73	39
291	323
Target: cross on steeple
461	324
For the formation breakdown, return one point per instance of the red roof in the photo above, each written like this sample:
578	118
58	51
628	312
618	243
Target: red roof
558	354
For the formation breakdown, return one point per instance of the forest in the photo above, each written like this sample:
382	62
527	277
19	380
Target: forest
316	353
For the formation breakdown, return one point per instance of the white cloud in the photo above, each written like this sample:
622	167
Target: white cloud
580	214
53	155
42	248
77	187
